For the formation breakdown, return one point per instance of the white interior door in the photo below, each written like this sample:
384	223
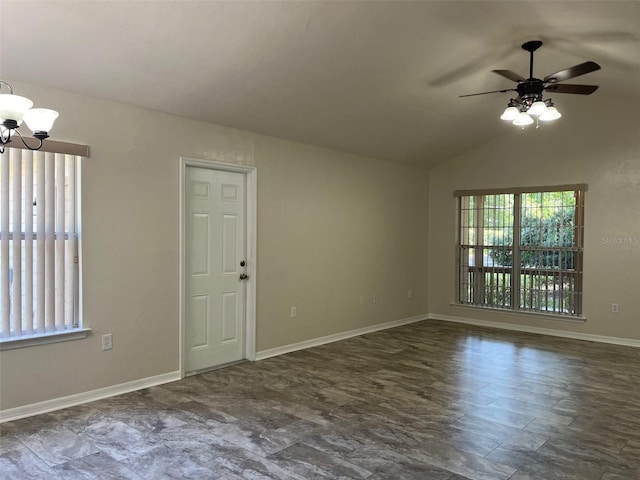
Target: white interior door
215	262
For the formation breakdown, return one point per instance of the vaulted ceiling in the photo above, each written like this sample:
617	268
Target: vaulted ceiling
378	78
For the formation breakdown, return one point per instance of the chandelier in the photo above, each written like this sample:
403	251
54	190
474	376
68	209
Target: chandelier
14	110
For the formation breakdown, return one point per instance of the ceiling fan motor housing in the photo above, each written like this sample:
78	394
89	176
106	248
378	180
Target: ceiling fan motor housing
530	90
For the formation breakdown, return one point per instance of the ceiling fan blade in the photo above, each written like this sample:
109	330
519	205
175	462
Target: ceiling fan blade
510	75
569	88
572	72
486	93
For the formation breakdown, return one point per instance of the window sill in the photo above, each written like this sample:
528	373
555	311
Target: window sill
549	316
43	338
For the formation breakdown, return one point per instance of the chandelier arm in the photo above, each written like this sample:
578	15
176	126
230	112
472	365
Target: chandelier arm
24	142
5	139
9	86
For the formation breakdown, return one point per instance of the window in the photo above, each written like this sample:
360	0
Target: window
39	259
522	249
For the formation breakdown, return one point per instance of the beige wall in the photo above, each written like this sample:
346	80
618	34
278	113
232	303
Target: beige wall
331	227
596	142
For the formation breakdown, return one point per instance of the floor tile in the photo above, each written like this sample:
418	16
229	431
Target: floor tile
312	464
57	444
167	463
244	464
117	439
98	466
395	464
21	463
460	462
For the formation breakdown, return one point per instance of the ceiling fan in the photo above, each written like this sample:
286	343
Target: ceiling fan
529	100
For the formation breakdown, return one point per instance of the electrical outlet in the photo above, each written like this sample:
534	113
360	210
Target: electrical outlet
361	300
375	298
409	293
107	341
615	308
294	312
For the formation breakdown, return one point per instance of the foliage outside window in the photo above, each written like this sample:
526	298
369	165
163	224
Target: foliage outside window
522	249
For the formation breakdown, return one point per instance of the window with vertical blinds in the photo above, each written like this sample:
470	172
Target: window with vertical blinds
522	249
39	259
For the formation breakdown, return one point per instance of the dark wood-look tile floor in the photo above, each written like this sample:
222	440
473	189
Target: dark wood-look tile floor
431	400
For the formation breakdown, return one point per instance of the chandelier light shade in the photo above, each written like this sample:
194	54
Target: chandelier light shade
510	114
40	119
537	108
550	114
523	119
14	106
15	109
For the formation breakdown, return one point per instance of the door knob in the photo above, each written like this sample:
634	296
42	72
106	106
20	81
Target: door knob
243	276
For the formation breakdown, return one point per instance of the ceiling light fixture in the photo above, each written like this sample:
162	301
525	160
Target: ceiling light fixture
14	110
529	103
521	111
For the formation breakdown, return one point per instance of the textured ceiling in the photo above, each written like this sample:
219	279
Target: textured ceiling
374	78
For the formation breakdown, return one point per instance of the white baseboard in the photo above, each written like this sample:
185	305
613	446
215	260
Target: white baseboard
85	397
93	395
629	342
314	342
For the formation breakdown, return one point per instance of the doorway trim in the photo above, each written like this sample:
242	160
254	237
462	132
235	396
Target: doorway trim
251	176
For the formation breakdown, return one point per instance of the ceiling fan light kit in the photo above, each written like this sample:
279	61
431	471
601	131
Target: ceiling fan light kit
14	110
520	116
529	103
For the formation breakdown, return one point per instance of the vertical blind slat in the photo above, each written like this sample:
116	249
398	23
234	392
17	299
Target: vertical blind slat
49	256
59	242
16	293
40	241
27	158
70	244
4	243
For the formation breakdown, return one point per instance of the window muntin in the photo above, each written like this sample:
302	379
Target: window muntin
539	272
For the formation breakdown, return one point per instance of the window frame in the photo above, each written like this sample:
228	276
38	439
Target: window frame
515	270
79	330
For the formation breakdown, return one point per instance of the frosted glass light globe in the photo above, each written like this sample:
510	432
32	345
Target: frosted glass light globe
13	107
40	119
510	114
551	114
522	120
538	108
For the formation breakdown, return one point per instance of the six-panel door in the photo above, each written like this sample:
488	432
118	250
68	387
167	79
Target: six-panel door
214	250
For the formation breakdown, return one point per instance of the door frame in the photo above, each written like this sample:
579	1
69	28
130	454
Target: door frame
251	183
